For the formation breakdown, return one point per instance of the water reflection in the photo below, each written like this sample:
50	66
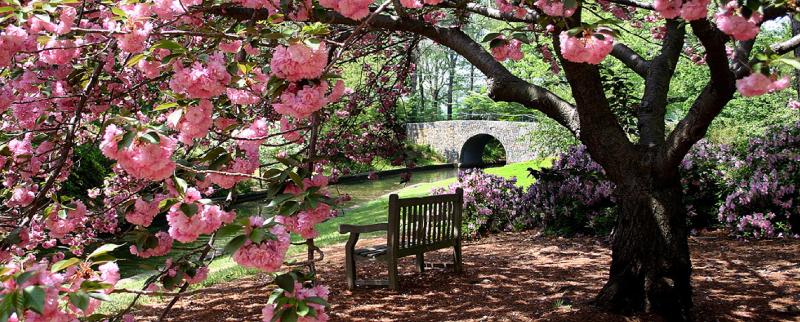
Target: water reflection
364	191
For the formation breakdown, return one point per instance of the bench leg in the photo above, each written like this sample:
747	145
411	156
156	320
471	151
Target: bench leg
457	257
421	262
350	261
394	284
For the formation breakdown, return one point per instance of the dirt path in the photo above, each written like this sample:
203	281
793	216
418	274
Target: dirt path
522	277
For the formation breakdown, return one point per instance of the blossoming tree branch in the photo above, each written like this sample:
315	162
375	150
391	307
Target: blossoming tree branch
186	96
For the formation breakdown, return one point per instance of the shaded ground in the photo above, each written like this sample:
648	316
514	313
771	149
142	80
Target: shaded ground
524	277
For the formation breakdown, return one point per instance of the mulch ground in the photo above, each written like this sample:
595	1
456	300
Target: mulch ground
528	277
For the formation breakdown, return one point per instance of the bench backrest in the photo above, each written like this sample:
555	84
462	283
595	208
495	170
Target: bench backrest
422	224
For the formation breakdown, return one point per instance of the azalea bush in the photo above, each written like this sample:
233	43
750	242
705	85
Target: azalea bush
573	196
765	201
491	203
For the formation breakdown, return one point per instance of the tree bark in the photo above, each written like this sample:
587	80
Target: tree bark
650	266
450	83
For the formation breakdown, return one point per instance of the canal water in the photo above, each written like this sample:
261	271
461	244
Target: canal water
363	191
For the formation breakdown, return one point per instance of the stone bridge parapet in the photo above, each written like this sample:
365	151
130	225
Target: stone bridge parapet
463	141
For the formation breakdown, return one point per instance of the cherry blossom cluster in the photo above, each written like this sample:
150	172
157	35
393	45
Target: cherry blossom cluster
190	218
45	278
266	255
757	84
590	48
301	293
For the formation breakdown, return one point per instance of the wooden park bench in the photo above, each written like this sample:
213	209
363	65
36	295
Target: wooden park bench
416	226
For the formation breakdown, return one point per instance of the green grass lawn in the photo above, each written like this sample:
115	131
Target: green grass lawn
224	269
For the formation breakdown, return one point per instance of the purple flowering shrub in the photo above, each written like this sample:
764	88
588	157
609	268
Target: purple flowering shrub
491	203
573	196
765	201
704	182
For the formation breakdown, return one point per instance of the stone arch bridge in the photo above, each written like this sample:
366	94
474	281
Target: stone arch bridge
463	141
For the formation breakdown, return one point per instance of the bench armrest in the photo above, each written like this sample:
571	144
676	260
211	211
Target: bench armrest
345	229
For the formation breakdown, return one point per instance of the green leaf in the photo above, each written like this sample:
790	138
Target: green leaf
180	184
570	4
6	9
173	47
302	309
490	36
34	298
234	244
220	161
289	316
103	249
151	137
80	299
317	300
166	203
127	139
285	281
118	12
135	60
165	106
497	43
289	208
64	263
94	286
279	199
21	278
791	62
257	235
100	296
189	209
6	306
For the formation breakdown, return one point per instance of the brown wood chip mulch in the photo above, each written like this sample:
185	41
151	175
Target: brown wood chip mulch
527	277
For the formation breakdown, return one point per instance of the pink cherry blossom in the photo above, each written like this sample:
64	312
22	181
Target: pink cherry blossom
253	136
411	4
60	227
731	22
59	52
192	124
134	38
242	96
143	212
304	222
201	81
695	10
587	49
150	69
269	254
230	47
302	102
668	9
554	8
187	227
289	132
757	84
163	247
795	105
141	159
22	196
299	61
509	50
12	40
353	9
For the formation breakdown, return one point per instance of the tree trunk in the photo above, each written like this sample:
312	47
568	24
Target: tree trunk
450	82
650	266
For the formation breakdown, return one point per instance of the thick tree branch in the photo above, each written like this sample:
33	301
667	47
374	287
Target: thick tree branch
492	13
630	58
504	86
717	93
786	46
634	3
654	102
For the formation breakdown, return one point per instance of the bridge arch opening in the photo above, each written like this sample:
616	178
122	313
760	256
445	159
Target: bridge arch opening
480	150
